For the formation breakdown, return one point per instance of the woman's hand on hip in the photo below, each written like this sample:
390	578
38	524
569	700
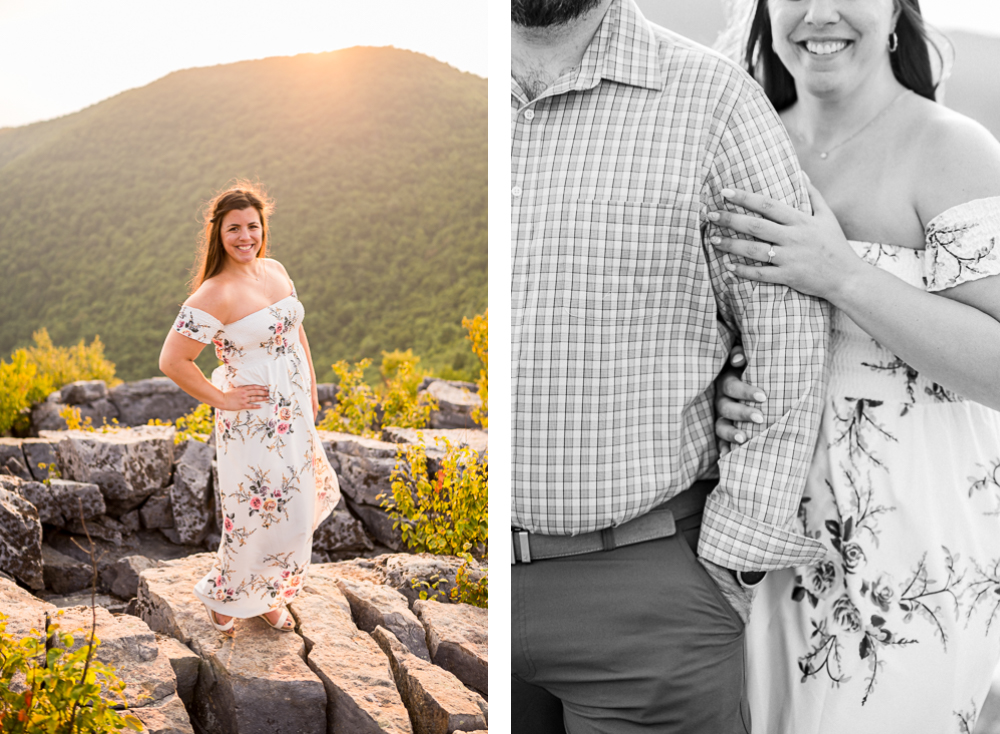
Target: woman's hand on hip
245	397
806	252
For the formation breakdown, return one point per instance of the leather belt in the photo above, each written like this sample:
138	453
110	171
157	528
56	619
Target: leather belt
660	522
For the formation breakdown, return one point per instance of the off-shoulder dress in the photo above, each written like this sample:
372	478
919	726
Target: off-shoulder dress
275	482
898	630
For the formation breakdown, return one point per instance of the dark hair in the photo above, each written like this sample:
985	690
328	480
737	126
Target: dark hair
211	254
911	62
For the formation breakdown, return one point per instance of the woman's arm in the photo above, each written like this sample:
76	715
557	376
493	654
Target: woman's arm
312	371
177	362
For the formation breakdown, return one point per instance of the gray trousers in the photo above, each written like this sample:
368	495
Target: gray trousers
635	639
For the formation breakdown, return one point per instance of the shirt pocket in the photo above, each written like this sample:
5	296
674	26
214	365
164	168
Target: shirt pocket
611	263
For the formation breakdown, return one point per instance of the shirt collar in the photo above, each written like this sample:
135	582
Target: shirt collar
623	50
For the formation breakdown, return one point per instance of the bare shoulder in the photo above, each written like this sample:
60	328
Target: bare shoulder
958	160
213	297
277	268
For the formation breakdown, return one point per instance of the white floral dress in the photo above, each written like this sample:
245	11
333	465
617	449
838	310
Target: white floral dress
899	629
275	482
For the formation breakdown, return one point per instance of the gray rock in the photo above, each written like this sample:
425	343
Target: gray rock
45	415
185	664
437	701
363	465
359	683
20	539
128	465
104	527
39	451
130	521
61	501
64	574
25	613
458	639
255	683
455	405
410	574
374	605
341	533
128	645
379	524
126	575
158	397
156	512
168	716
83	599
476	439
83	391
190	493
12	457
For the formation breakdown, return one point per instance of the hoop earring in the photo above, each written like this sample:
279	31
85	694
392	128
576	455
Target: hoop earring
893	42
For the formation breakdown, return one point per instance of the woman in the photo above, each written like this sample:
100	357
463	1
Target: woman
275	483
898	630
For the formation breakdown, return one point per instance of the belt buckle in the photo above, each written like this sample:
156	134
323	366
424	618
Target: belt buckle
519	538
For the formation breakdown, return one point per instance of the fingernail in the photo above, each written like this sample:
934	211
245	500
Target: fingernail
738	359
727	193
759	397
714	216
739	438
715	240
756	417
730	266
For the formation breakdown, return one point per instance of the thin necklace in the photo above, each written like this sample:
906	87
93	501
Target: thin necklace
257	278
824	154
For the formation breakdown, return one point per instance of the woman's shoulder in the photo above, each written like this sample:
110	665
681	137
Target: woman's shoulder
212	297
277	268
958	161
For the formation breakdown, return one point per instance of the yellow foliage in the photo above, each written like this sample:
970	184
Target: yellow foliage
198	424
400	405
64	365
21	384
478	328
355	411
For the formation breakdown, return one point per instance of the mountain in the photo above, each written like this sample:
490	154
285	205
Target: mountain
972	89
376	159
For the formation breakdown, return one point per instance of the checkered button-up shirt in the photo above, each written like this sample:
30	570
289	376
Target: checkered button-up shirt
623	314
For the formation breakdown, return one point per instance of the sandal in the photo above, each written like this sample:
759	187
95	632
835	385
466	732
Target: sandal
227	628
283	618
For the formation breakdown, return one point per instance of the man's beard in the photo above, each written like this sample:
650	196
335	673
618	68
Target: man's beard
545	13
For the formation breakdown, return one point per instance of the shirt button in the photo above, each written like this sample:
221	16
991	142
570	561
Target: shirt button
516	191
529	114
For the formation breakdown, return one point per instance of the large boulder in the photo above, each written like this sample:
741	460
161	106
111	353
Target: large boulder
190	493
168	716
156	511
476	439
25	613
359	683
20	539
456	401
64	574
61	502
128	645
375	605
128	465
185	663
155	398
341	533
437	701
83	391
39	452
255	683
458	638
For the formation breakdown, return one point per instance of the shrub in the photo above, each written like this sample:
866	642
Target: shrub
64	365
356	408
479	336
198	424
63	697
21	384
447	514
400	404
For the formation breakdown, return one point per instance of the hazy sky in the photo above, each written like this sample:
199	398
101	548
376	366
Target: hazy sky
59	56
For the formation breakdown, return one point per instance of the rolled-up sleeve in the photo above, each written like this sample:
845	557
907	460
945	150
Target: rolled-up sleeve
750	518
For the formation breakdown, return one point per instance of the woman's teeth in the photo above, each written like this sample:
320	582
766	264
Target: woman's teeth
825	48
244	248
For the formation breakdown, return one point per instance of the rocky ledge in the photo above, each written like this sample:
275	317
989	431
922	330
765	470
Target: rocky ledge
365	656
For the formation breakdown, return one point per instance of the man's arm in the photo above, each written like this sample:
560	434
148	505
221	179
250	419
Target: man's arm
749	519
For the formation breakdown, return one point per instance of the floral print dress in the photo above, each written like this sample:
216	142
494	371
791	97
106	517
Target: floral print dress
898	630
275	482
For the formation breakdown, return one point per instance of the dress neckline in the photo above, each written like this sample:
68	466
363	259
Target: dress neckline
265	308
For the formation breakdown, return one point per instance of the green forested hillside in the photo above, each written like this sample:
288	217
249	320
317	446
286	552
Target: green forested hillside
376	158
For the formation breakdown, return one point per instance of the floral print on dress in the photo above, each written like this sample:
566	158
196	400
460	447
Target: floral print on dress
905	493
276	484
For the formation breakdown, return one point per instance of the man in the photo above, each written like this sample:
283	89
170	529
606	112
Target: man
623	138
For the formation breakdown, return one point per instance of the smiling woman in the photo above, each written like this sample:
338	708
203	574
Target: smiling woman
275	483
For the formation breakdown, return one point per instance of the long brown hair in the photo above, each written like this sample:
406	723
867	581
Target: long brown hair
211	254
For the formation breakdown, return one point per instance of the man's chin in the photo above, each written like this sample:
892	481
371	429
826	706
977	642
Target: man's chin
547	13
